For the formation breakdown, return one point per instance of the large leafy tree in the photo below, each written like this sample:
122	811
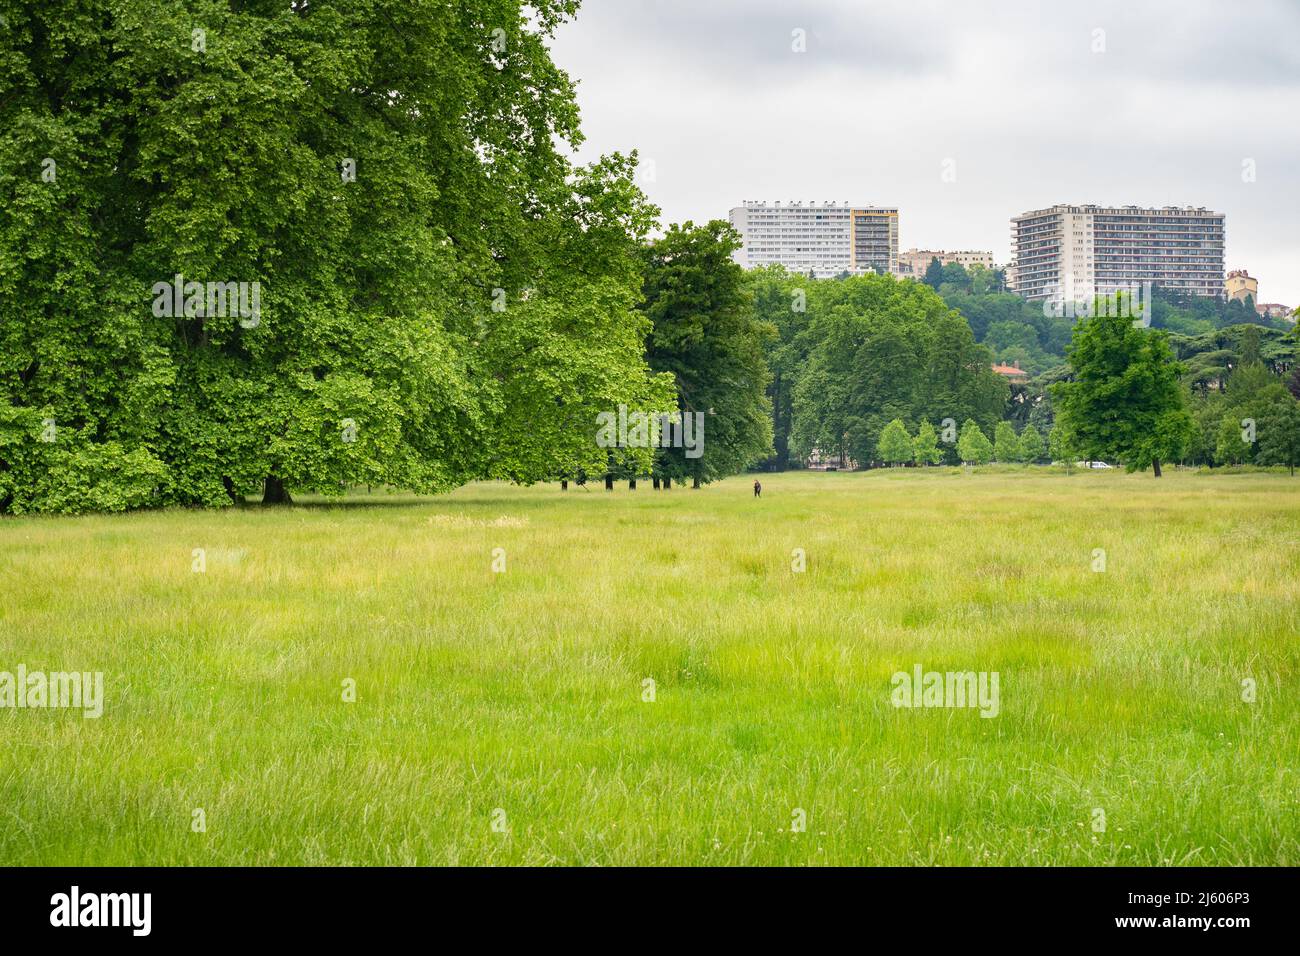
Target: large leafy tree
1124	400
706	335
392	176
573	358
570	347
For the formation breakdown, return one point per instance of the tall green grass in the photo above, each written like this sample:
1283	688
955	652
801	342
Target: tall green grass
1121	691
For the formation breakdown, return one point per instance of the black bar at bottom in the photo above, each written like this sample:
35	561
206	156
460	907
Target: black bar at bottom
333	906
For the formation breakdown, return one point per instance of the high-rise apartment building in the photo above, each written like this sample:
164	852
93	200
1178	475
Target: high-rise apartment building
824	239
1078	251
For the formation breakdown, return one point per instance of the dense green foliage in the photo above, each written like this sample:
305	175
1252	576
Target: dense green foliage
850	355
1251	418
973	446
1279	433
1194	315
780	300
845	362
441	294
1013	329
895	445
264	248
1017	330
1124	401
706	334
925	447
1210	356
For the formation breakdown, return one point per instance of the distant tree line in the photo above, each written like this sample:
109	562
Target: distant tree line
851	355
864	369
973	446
1020	331
1145	396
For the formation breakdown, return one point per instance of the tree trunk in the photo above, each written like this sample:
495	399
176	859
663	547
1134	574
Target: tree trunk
631	484
609	482
564	484
668	483
274	492
696	482
656	482
230	490
1155	464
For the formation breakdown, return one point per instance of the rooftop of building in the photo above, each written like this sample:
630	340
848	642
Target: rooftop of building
799	204
1091	208
949	252
1011	371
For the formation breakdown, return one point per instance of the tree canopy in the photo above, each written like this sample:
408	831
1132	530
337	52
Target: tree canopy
895	445
879	349
1124	401
925	447
705	333
430	290
973	446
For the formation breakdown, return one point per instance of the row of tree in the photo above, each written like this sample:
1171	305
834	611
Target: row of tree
972	445
1127	398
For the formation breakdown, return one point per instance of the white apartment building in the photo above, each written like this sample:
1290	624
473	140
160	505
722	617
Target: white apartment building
821	239
1076	252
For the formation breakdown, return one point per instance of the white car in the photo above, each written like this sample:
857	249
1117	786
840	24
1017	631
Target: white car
1094	464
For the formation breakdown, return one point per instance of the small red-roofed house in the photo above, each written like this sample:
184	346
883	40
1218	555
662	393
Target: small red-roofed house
1013	372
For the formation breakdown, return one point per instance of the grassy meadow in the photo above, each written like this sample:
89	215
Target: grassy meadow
499	717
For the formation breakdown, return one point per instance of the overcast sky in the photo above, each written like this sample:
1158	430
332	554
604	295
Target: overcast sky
1012	93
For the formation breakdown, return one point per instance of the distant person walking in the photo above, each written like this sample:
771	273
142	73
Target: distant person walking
758	490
